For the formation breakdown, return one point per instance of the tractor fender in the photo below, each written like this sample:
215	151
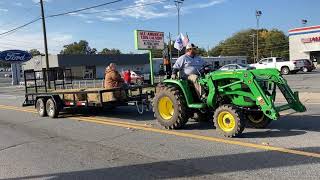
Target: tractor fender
183	85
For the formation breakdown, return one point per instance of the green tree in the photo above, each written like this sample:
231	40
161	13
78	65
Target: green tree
81	47
34	52
271	43
110	51
202	52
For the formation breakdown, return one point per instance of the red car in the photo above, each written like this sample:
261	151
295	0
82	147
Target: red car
308	65
136	77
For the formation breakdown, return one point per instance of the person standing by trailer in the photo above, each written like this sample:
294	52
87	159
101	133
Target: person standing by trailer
127	77
113	80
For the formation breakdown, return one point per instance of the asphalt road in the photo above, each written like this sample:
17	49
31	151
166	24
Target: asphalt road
121	144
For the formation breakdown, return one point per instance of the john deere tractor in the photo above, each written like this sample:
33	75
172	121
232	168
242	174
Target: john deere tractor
231	99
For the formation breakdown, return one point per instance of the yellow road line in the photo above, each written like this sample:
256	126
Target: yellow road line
180	134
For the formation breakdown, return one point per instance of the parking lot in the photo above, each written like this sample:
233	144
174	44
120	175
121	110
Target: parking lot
121	144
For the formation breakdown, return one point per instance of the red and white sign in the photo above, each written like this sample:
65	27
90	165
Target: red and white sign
147	40
311	39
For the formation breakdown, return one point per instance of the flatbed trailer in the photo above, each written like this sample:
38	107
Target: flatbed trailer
51	103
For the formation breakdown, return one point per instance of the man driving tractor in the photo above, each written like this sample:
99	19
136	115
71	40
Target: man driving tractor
189	66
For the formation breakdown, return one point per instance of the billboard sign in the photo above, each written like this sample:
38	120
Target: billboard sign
149	40
15	56
311	39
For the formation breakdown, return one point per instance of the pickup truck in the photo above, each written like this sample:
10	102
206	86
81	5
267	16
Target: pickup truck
285	67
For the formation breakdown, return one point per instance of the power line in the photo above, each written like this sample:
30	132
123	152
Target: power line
60	14
19	27
83	9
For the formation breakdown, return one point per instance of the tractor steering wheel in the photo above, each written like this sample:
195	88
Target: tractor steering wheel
205	69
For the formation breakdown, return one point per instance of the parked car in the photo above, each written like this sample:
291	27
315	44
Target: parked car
7	75
308	65
284	66
236	67
136	77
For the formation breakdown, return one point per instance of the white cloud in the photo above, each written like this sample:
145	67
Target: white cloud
108	19
78	15
205	5
27	41
89	21
3	10
140	10
37	1
17	4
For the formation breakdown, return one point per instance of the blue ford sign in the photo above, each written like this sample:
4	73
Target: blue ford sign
15	56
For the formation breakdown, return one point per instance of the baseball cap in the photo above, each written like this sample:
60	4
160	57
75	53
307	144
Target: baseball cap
191	46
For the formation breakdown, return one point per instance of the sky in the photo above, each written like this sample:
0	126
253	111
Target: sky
207	22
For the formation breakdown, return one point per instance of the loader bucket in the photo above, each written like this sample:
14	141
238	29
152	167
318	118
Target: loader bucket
292	99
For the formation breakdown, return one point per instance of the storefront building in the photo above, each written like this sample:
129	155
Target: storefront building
304	43
90	66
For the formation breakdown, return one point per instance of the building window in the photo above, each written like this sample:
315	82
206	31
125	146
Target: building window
89	72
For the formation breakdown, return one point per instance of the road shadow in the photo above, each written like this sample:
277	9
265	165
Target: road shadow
297	122
193	167
272	134
192	125
118	112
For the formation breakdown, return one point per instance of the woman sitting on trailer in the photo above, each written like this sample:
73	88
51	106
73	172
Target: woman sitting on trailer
113	79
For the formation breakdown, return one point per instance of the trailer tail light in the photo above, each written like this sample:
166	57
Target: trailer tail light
69	103
81	103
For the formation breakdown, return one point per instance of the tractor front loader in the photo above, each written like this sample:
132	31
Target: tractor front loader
231	99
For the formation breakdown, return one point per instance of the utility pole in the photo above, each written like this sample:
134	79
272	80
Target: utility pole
258	15
178	4
45	43
170	50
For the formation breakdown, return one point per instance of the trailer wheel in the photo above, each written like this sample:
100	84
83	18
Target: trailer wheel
258	120
52	109
170	108
41	107
229	120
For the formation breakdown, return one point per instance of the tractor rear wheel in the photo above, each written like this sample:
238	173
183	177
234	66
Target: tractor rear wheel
229	120
258	120
170	108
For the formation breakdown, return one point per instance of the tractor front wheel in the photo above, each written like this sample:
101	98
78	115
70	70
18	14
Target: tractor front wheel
229	120
258	120
170	108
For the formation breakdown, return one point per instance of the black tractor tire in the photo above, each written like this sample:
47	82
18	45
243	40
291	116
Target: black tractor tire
52	109
285	70
170	108
229	120
199	116
258	120
41	107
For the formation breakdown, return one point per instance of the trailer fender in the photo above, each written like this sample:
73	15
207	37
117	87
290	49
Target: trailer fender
58	101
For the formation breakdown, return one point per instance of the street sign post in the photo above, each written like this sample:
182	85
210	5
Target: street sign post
149	40
15	58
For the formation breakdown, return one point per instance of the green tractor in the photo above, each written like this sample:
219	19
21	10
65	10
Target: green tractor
232	100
